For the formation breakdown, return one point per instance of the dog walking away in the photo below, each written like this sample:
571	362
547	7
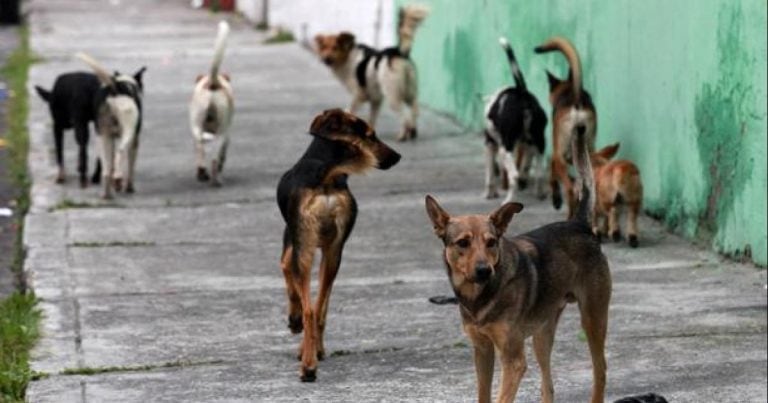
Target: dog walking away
210	114
515	124
71	102
618	185
118	123
511	288
572	110
319	212
373	75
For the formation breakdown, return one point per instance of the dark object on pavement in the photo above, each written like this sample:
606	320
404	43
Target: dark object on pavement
647	398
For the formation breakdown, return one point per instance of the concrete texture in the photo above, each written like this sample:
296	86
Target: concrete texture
181	283
680	84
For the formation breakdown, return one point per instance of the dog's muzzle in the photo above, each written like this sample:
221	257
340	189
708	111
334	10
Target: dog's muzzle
482	273
389	159
328	61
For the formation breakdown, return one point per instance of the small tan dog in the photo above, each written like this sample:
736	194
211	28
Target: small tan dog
572	110
509	289
618	184
373	75
210	114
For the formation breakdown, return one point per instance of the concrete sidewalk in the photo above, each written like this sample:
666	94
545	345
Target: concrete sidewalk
175	293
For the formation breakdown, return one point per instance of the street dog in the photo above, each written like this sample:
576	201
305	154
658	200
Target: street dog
71	102
118	123
572	108
511	288
617	184
210	114
372	75
319	212
515	123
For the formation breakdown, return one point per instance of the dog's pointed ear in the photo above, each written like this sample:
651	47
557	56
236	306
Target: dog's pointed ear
139	74
438	216
553	80
346	40
328	122
608	152
319	39
503	215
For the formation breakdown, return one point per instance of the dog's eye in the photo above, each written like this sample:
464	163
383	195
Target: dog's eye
463	243
491	243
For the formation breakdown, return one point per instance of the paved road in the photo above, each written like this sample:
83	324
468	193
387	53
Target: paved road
181	282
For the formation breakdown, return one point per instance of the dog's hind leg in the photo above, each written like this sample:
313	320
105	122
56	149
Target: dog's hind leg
133	149
491	168
633	211
96	177
613	222
593	306
539	167
81	136
223	153
108	159
512	175
375	109
58	138
559	176
542	348
329	267
413	112
294	301
301	273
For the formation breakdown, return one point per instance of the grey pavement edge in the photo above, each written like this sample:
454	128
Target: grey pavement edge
181	282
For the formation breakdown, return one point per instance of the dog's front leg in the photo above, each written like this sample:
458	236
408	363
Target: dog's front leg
108	159
357	101
302	271
539	166
329	267
484	358
375	109
81	136
513	368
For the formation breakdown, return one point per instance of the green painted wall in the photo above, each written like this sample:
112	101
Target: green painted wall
682	85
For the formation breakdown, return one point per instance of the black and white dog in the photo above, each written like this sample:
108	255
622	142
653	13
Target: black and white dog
72	105
514	132
118	123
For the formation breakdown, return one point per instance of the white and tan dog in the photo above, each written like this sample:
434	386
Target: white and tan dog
210	114
118	123
372	75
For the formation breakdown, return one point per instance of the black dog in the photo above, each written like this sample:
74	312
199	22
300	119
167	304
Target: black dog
319	212
72	102
515	124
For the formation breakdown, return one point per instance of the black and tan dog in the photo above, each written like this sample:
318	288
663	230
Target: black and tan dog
572	109
319	212
511	288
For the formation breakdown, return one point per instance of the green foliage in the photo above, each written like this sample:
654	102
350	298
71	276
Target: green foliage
19	320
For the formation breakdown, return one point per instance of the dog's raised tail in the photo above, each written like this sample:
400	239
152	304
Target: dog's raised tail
218	51
101	72
409	19
586	181
516	74
565	47
45	94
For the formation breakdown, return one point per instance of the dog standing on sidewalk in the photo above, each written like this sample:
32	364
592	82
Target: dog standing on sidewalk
511	288
617	184
572	109
72	105
515	124
319	212
118	123
372	75
210	114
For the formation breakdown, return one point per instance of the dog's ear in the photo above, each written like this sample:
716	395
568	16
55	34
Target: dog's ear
503	215
346	40
608	152
438	216
329	122
319	39
553	80
138	75
227	77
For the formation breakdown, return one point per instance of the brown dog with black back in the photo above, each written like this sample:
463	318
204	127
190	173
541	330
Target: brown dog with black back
511	288
319	212
618	184
572	110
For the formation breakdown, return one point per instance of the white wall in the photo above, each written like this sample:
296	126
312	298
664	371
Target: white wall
251	9
372	21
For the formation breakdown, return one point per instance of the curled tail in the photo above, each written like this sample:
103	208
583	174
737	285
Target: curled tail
516	74
101	72
409	19
45	94
565	47
586	181
218	51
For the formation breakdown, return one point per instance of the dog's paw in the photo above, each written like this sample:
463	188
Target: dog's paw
491	194
557	201
413	133
129	188
60	179
616	236
308	374
117	183
633	242
321	354
522	183
96	179
202	175
296	325
83	182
